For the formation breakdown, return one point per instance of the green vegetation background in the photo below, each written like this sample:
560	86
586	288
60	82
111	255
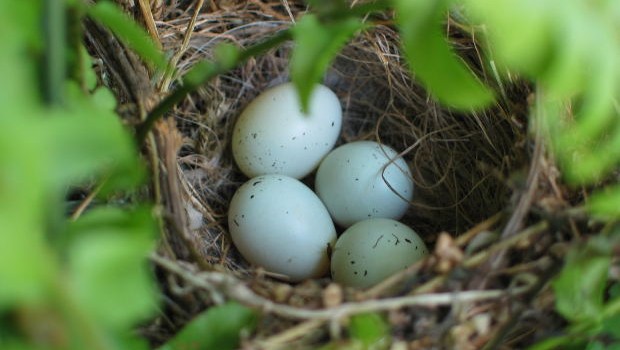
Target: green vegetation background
87	282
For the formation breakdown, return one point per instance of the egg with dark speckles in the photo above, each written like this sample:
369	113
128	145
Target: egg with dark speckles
278	223
374	249
363	180
273	136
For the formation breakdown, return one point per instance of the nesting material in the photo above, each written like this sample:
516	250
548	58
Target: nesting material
471	173
460	162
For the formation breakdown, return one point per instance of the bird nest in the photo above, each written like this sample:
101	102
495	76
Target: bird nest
483	182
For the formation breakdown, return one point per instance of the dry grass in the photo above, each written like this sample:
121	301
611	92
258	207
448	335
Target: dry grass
480	180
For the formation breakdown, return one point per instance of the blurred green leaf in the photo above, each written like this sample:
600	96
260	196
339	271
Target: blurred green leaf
328	7
432	60
21	47
90	76
103	98
551	343
580	286
316	45
199	73
227	55
614	291
572	52
103	147
219	328
26	266
606	203
611	326
371	329
519	31
126	29
108	265
595	346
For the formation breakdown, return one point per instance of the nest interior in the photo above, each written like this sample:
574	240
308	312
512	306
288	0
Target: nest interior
460	162
469	170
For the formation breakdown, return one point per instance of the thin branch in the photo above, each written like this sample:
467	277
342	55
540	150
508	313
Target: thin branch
290	334
235	289
165	83
147	15
469	262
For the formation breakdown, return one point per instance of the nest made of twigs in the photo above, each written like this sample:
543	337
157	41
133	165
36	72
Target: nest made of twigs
477	175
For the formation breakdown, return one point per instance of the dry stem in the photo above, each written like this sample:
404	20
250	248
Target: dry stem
237	290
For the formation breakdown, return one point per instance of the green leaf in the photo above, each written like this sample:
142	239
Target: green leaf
316	45
26	266
611	326
19	69
519	31
371	329
227	55
328	7
605	203
89	74
559	342
126	29
87	139
220	328
104	98
596	345
432	60
580	286
614	346
199	73
108	267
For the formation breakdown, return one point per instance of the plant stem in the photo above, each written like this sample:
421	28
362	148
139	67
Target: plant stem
237	290
204	72
54	69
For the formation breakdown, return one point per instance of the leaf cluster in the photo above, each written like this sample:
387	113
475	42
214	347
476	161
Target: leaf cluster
60	130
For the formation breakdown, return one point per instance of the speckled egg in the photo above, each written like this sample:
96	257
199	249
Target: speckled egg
362	180
278	223
273	136
374	249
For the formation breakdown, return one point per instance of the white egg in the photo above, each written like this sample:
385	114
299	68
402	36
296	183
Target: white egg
374	249
362	180
278	223
273	136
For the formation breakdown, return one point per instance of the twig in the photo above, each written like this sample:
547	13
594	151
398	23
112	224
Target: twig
525	201
483	226
483	256
147	14
295	332
470	262
553	268
165	83
501	246
86	202
235	289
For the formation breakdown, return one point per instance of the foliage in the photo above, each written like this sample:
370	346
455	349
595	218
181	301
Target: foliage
316	45
59	133
217	328
582	298
431	58
71	275
371	330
